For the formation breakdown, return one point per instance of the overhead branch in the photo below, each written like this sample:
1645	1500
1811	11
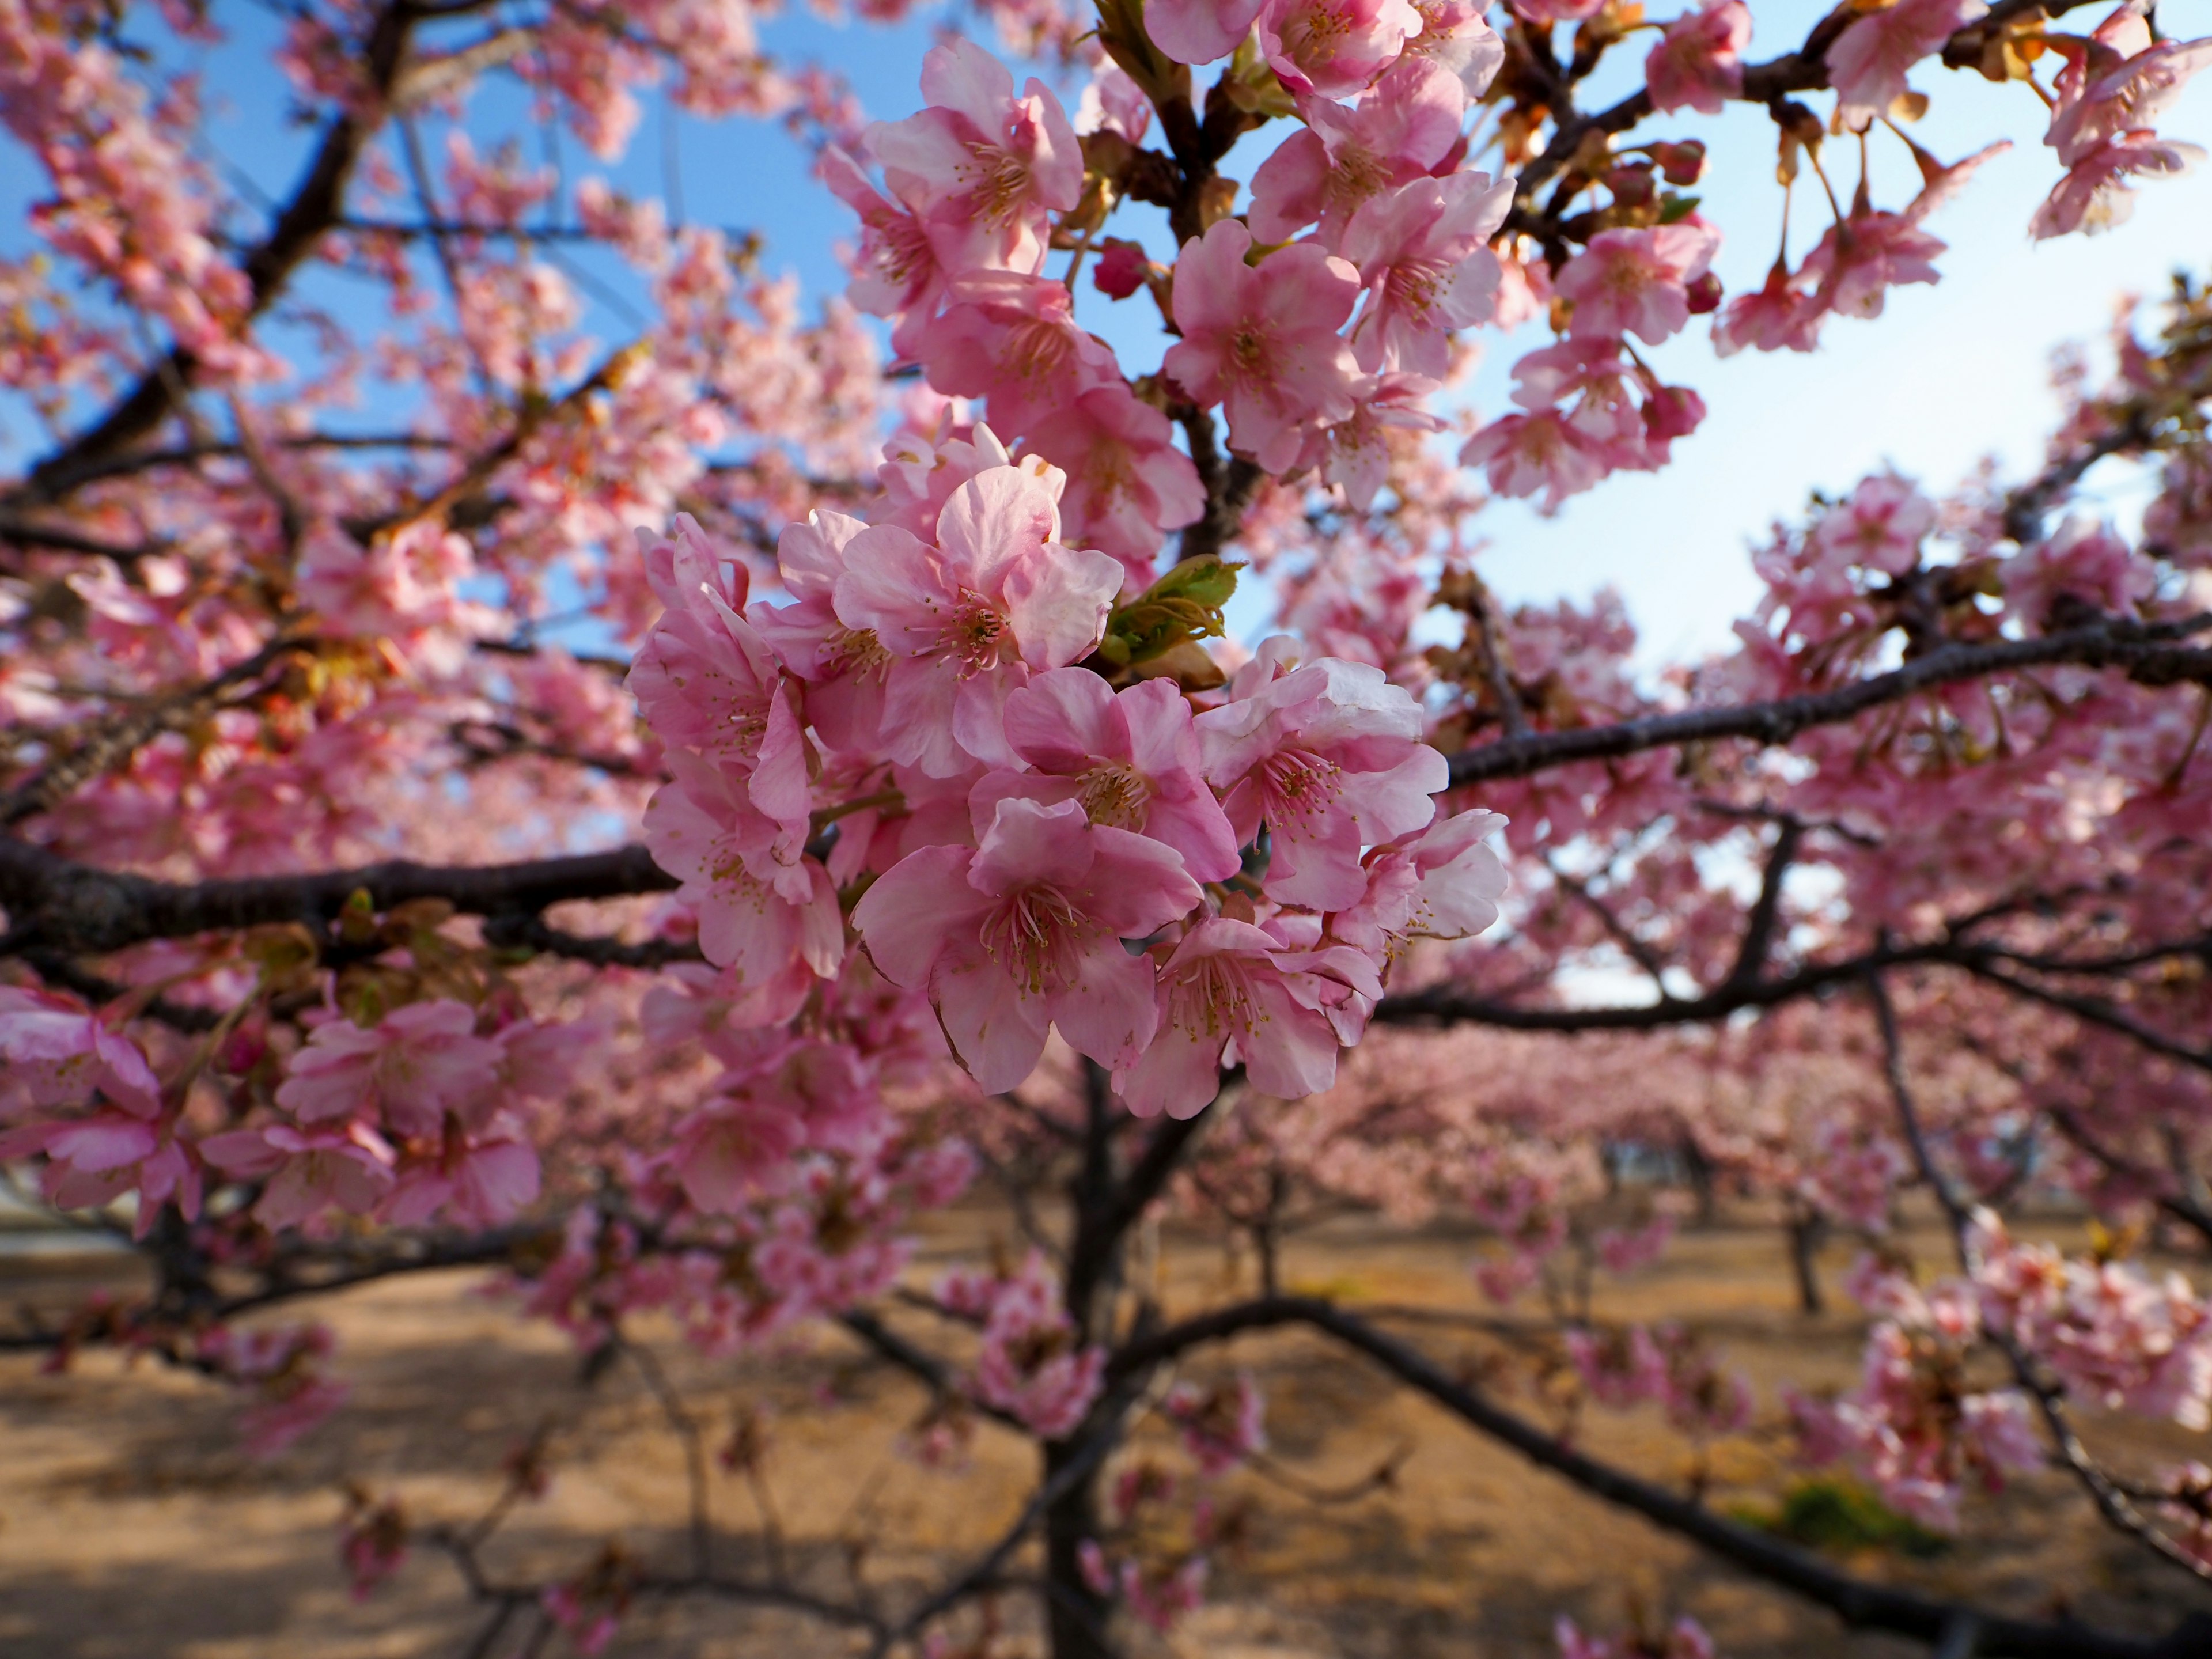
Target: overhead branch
2111	1500
2147	651
316	204
57	904
1861	1605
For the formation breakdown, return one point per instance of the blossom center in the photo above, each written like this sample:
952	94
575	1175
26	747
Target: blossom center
1036	935
979	638
1002	183
1213	997
1116	795
1298	787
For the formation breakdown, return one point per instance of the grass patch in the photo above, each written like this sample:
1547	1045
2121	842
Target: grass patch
1826	1512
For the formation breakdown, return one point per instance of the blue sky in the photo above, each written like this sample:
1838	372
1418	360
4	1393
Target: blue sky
1950	373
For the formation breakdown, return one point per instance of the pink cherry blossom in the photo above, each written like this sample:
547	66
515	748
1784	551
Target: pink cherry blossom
1131	759
1024	932
2092	198
898	272
1355	452
1455	35
983	166
1334	48
1033	1363
1112	102
1328	756
1444	884
1526	454
968	620
706	681
306	1172
409	1070
58	1054
1770	317
1128	484
760	902
1221	1426
1698	63
1422	255
2103	97
474	1179
1398	132
1878	526
1635	282
1868	63
1231	993
1012	340
1261	341
731	1148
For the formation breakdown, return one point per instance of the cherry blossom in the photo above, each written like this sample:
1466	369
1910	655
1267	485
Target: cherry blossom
1262	341
1698	63
1024	932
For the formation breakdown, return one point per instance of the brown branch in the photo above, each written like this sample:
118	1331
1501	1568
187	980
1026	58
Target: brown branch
2146	650
315	206
59	904
123	736
2111	1500
1859	1604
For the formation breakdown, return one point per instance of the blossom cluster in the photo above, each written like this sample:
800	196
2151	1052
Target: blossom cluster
1009	826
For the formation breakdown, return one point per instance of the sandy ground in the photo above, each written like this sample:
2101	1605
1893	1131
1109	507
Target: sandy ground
132	1525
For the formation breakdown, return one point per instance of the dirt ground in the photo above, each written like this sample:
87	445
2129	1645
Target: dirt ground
133	1526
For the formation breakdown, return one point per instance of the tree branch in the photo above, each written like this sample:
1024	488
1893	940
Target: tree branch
2146	650
1859	1604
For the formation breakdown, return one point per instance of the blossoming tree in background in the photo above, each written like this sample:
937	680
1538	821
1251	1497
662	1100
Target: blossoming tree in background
899	811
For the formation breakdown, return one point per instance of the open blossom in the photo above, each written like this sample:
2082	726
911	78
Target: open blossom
966	621
1454	34
898	272
1537	453
1334	48
1130	758
706	681
306	1172
1401	130
1262	341
57	1054
1024	932
729	1149
1329	757
1012	339
409	1070
761	903
1423	258
1636	282
1221	1426
1229	994
2102	97
1868	63
1128	484
1444	884
983	166
1772	317
403	584
1698	64
1878	526
1033	1362
2116	1336
2093	196
844	668
1354	453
